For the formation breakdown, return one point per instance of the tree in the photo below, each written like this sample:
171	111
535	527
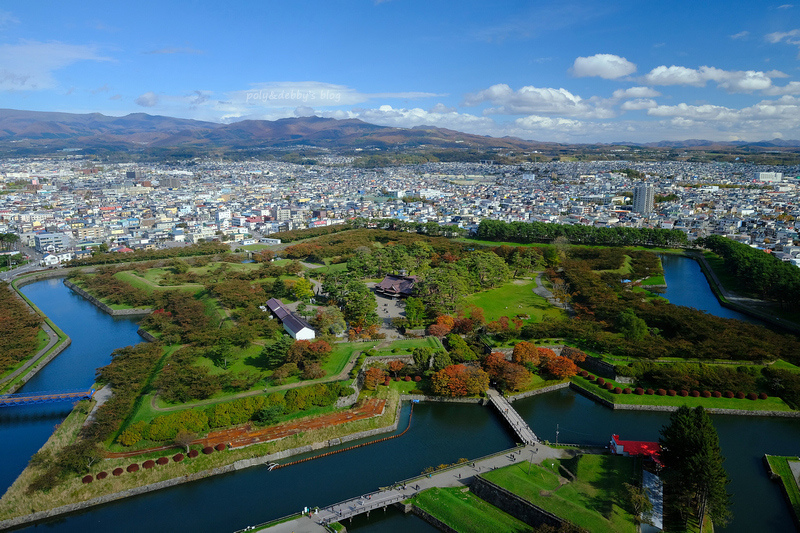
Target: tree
693	460
415	311
184	439
422	358
459	380
525	352
631	326
396	366
560	367
640	504
373	377
303	290
329	320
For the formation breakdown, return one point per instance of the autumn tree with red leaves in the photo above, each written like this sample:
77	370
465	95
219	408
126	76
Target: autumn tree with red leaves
525	352
396	366
560	367
374	377
459	380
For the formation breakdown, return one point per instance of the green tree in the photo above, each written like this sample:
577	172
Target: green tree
303	290
631	326
415	311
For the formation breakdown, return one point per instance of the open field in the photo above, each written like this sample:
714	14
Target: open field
465	512
780	466
513	299
590	501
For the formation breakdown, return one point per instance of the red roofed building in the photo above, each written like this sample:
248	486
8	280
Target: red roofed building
641	448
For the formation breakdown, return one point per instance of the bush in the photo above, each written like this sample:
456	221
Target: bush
662	392
639	391
148	464
591	377
102	475
695	394
133	467
601	381
193	454
407	378
609	386
717	394
397	378
208	450
728	394
417	378
762	396
626	390
740	395
617	390
684	393
752	396
416	391
162	461
706	394
220	447
672	392
178	457
117	472
583	373
87	478
650	392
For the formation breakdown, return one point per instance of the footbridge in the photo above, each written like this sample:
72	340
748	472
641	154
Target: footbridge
517	423
36	398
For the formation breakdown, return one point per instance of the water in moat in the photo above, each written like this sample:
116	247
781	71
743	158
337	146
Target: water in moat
440	433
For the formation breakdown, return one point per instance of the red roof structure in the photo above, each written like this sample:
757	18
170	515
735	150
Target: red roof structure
393	285
642	448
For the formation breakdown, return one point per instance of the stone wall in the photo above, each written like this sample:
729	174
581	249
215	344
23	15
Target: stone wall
543	390
599	367
432	520
512	504
103	307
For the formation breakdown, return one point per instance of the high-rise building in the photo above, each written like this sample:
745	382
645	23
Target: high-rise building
643	197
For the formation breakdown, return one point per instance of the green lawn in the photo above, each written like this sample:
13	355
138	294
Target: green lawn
785	365
465	512
770	404
780	465
654	280
591	501
407	346
513	299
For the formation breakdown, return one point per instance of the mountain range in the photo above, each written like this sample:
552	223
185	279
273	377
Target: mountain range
52	131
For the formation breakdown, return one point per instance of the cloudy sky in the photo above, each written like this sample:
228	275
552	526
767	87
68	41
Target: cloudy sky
568	71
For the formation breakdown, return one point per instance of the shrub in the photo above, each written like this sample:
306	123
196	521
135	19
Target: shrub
728	394
762	396
397	378
684	393
592	378
672	392
416	391
695	394
626	390
650	392
583	373
87	478
407	378
752	396
662	392
220	447
162	461
740	395
133	467
148	464
193	454
208	450
601	381
417	378
639	391
706	394
178	457
609	386
117	472
717	394
617	390
102	475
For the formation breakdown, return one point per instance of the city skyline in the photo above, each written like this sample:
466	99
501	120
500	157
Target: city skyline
546	71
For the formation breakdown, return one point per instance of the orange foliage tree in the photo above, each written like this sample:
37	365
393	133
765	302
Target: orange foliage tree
374	377
442	326
573	354
396	366
459	380
510	376
560	367
545	354
525	352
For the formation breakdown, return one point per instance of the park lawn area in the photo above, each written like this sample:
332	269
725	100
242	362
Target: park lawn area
340	356
149	283
536	382
494	244
407	346
513	299
780	465
785	365
654	280
255	247
465	512
770	404
625	268
588	502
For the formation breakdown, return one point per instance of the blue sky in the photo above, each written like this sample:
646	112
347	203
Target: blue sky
567	71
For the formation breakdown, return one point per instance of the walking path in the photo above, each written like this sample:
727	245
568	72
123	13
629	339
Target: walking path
544	292
457	476
517	423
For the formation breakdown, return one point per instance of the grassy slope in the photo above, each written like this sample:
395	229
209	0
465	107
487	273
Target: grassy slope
780	465
465	512
511	300
588	502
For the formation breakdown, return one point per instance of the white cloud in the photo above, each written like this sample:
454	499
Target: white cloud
148	99
608	66
789	36
786	6
29	65
639	104
636	92
793	87
531	100
740	35
535	122
734	81
7	19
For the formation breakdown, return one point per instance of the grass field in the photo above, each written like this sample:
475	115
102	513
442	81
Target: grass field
407	346
590	501
465	512
513	299
654	280
770	404
780	465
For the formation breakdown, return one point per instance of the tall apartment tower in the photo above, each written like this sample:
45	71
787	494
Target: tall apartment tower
643	197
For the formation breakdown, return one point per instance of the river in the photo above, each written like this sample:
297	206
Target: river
440	433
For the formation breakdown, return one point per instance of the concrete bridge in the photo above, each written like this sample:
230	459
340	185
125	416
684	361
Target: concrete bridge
35	398
517	423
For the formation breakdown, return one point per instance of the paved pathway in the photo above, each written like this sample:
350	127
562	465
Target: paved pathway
52	340
544	292
455	477
517	423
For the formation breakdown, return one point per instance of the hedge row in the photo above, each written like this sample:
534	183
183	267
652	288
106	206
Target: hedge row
147	465
603	384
